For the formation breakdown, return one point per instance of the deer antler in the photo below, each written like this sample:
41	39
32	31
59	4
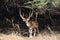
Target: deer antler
22	16
25	19
30	14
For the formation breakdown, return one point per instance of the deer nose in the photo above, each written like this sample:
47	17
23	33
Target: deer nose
28	24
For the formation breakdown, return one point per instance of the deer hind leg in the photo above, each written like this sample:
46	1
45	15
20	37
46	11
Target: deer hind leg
30	32
34	32
37	31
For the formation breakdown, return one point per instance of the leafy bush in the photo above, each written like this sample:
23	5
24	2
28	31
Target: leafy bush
41	3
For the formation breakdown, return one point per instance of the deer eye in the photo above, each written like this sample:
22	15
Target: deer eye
23	20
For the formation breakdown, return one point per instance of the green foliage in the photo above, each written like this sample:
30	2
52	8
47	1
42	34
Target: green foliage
37	3
41	3
56	2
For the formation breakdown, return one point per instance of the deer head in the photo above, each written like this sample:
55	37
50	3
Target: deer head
26	20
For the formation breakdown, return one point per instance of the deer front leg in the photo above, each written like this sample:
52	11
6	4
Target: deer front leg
34	32
30	32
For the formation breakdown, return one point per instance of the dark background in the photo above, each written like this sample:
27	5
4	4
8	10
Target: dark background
51	17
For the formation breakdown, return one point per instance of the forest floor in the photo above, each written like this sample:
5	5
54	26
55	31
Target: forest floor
41	36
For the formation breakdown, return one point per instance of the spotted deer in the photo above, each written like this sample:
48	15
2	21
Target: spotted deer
32	25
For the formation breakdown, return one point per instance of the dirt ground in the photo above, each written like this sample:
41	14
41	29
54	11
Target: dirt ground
41	36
